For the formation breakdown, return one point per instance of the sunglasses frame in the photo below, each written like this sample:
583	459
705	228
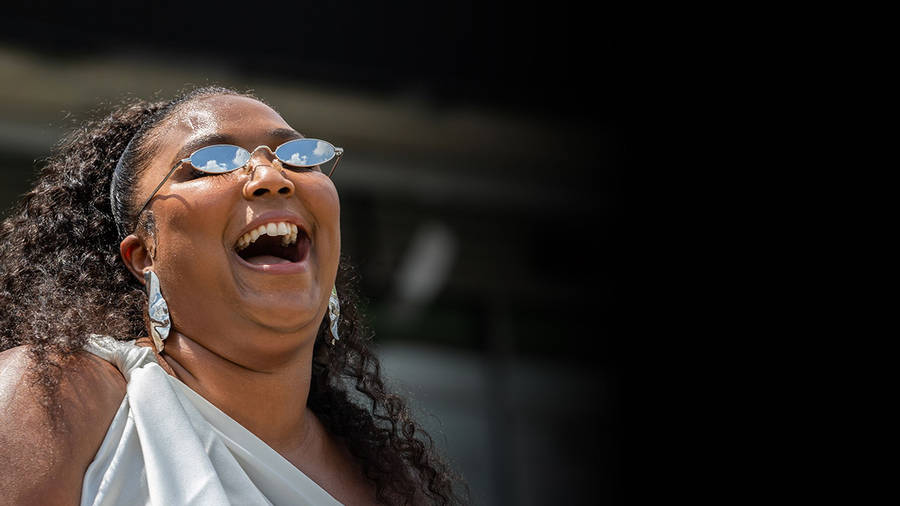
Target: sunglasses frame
336	156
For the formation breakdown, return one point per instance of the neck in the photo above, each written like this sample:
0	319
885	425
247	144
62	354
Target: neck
270	403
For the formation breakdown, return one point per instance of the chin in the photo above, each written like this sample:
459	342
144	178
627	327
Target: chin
291	326
286	318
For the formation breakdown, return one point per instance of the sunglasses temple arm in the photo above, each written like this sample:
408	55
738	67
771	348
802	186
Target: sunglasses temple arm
337	160
153	194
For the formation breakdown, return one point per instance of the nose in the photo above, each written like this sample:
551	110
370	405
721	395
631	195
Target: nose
267	178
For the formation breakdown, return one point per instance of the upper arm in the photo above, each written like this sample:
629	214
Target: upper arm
43	459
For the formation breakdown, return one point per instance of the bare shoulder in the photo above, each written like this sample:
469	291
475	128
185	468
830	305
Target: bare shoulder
43	459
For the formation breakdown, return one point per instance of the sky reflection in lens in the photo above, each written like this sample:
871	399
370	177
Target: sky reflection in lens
220	158
299	152
305	152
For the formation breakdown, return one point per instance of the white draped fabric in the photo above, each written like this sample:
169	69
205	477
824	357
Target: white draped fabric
167	445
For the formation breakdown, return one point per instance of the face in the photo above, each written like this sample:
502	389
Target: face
236	291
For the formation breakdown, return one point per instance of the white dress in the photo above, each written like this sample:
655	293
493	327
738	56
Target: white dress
168	445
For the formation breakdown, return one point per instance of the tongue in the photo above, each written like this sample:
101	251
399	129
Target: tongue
267	260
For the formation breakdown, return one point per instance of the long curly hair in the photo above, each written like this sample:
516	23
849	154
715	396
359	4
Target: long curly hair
61	279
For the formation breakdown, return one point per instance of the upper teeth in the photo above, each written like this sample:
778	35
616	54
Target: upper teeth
288	231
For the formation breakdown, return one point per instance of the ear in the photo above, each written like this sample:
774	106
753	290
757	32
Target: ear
136	256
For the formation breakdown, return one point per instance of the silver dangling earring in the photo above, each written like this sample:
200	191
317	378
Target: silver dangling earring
158	310
334	314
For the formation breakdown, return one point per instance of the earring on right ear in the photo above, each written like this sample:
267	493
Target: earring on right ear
158	310
334	314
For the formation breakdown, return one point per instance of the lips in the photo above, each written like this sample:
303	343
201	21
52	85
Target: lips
273	243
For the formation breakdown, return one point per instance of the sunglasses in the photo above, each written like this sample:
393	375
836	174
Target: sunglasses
224	158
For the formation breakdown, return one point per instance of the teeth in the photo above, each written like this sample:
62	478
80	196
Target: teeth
287	231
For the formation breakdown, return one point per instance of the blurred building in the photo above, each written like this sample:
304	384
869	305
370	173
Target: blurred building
483	227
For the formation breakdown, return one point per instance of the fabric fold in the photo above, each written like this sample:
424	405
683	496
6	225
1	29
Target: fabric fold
168	445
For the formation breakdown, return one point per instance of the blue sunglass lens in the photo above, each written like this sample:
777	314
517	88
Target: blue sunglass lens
220	158
305	152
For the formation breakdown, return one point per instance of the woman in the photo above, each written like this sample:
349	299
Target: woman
238	249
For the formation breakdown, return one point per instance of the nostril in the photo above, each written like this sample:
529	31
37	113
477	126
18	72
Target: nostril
284	190
259	192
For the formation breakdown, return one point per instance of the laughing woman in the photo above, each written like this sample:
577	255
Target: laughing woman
210	227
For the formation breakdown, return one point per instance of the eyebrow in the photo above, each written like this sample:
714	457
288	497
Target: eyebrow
220	138
285	133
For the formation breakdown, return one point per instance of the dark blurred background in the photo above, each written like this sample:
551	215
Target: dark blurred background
480	190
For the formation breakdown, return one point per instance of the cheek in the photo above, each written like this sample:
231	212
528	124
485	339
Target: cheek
191	253
320	198
196	210
190	225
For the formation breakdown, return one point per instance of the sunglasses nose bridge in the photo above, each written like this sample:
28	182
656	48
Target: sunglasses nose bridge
262	146
249	166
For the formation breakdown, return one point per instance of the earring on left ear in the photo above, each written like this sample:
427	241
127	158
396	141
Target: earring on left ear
158	311
334	314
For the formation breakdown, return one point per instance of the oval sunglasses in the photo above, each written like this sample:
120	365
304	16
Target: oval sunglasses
223	158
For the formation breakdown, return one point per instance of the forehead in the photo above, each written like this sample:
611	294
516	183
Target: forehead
235	115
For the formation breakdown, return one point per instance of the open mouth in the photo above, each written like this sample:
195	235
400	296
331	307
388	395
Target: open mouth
273	243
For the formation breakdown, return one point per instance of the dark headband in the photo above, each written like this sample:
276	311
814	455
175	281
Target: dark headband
113	200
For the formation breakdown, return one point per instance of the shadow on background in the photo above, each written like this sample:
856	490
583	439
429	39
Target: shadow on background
480	194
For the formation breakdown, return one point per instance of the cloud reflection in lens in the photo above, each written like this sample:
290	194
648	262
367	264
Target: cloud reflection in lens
296	159
241	156
213	166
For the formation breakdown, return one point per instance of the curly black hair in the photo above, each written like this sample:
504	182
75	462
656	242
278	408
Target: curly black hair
61	245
